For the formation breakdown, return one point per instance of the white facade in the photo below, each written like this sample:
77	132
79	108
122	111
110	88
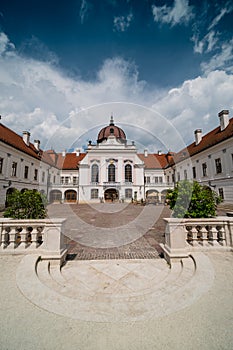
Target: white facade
111	170
21	171
213	165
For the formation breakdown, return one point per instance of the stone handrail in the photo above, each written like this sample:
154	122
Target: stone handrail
43	236
184	236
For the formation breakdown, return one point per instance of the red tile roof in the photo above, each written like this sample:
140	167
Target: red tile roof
211	139
70	161
12	139
154	161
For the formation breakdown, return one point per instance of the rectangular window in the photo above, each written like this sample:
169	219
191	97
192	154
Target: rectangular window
43	176
54	179
173	178
94	193
75	180
194	172
62	180
168	179
14	169
1	165
35	174
185	174
26	172
204	169
178	176
67	180
160	179
156	179
148	179
221	194
218	165
128	193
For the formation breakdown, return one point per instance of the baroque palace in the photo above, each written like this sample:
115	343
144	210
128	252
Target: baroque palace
112	169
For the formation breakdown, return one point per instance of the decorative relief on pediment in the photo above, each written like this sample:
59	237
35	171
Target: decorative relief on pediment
111	160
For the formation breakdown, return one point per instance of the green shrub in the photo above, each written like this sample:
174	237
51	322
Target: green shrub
29	204
192	200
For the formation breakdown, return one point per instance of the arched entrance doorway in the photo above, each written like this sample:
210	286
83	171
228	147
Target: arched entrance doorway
152	196
111	195
9	192
70	196
55	196
163	196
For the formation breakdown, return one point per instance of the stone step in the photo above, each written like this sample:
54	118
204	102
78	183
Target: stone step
66	295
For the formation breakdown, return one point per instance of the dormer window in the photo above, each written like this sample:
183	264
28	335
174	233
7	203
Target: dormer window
111	131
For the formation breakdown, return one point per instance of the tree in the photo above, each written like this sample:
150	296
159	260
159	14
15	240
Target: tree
192	200
29	204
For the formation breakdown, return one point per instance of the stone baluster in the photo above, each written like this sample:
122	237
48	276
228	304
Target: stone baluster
204	236
4	237
188	234
34	238
213	236
221	235
12	238
194	232
23	241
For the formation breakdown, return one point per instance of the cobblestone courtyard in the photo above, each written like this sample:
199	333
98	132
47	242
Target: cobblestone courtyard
113	217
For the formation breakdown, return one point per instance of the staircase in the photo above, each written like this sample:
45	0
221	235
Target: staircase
114	290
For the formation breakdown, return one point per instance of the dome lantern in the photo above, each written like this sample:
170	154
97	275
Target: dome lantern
111	130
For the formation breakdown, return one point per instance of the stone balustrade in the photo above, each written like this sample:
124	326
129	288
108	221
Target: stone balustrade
42	237
184	236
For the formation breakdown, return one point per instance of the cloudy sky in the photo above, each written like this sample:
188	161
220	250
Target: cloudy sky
162	68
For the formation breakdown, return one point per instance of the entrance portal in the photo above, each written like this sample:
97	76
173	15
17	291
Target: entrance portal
111	195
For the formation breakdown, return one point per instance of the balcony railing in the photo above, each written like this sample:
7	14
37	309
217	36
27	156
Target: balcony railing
111	184
42	236
160	184
185	236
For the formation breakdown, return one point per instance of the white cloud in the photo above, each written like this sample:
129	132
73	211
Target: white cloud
37	96
84	10
221	60
188	106
122	23
5	45
213	39
207	44
180	13
223	11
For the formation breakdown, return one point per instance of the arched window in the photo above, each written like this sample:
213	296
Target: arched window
94	173
128	173
111	173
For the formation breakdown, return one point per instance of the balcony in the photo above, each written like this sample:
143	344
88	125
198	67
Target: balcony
160	184
111	185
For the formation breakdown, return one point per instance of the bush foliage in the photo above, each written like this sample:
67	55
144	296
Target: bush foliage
29	204
192	200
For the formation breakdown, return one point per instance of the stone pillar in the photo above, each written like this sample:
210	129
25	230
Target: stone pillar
175	247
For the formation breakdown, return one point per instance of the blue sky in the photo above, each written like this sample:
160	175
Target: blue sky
58	59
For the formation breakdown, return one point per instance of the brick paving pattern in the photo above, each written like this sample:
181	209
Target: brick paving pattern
146	247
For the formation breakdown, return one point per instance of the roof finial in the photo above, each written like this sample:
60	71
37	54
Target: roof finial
111	120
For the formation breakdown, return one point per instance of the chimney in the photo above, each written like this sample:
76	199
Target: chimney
64	153
198	136
159	152
77	151
145	153
26	137
37	144
224	119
